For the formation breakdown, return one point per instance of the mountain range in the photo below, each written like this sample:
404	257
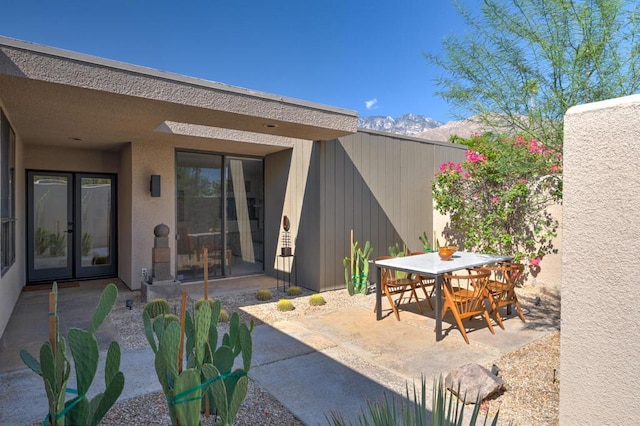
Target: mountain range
421	126
408	124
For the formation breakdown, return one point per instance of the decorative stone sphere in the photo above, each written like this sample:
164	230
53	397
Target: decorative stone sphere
161	230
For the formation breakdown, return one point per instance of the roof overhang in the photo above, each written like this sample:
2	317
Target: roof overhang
62	98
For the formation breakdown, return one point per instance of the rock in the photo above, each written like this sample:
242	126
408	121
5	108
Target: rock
475	381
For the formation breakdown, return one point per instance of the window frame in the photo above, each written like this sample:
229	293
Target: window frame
7	201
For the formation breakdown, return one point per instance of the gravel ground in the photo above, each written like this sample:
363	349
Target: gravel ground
531	372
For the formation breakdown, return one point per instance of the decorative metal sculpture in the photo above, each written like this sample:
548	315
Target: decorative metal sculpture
286	237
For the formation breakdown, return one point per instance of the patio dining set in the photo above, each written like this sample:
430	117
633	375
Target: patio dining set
464	283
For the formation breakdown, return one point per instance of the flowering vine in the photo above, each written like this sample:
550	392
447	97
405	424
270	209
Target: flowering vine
498	198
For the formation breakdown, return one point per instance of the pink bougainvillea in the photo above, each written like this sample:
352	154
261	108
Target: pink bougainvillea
474	157
450	166
497	198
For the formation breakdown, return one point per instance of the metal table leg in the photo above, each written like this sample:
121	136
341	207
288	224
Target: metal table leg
378	294
438	310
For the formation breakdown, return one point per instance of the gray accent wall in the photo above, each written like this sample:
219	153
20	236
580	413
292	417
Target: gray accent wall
377	184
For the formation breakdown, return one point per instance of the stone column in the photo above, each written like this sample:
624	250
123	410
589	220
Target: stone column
161	283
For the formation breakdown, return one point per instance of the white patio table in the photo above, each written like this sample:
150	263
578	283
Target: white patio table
430	264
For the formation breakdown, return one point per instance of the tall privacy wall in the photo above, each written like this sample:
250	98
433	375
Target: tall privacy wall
377	184
599	367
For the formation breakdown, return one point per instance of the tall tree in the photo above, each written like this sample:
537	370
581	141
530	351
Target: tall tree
523	63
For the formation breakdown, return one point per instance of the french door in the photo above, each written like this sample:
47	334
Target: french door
71	228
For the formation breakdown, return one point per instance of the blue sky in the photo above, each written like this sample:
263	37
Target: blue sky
359	55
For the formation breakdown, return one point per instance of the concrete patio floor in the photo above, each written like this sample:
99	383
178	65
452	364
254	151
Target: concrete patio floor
316	364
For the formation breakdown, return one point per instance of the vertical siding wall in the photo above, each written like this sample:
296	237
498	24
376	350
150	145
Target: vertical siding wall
599	346
379	185
292	189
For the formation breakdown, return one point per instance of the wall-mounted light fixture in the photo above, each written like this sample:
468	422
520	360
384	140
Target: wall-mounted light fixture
154	185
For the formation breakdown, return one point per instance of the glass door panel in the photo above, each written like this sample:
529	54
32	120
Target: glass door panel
95	205
50	226
199	215
245	215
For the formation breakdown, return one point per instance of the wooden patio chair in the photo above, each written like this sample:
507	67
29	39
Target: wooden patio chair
464	296
503	281
392	285
427	284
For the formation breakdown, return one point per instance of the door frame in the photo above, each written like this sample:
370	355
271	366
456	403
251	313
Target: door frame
74	270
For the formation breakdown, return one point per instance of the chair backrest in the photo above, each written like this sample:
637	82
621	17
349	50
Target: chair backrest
387	275
466	291
508	273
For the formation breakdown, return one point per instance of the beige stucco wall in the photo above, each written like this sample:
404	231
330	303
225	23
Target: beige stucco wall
55	158
599	368
14	279
148	211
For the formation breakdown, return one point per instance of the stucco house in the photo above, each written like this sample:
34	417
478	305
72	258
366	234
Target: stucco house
95	153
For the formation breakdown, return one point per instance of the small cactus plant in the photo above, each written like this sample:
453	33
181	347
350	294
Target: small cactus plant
202	300
316	300
285	305
294	291
224	316
264	294
54	366
157	307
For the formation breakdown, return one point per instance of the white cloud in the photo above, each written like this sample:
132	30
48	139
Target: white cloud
371	104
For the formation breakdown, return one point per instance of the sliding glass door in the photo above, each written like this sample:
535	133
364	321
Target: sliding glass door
221	230
245	213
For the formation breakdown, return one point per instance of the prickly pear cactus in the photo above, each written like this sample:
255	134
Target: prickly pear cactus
54	367
208	382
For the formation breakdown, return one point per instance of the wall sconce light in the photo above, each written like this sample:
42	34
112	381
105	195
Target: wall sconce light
154	185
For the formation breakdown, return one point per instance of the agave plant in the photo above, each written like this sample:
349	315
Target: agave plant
414	411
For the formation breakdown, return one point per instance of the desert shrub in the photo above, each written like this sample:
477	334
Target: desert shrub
285	305
316	300
294	291
157	307
264	294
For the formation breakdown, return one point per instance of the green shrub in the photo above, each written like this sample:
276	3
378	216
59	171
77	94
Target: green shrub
285	305
316	300
294	291
157	307
224	316
264	294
